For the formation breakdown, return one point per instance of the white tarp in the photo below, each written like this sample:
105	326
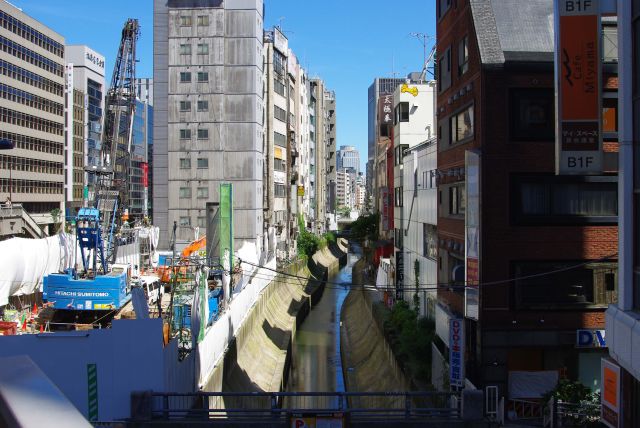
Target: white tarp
25	262
532	384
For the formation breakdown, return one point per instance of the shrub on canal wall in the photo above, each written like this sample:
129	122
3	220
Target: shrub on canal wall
410	338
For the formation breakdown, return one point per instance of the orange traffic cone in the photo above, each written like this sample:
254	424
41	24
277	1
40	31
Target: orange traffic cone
24	324
34	311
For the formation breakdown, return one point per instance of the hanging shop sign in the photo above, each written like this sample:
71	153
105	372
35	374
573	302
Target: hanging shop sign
578	87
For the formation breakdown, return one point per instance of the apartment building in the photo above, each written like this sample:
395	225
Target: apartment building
32	104
504	213
208	116
318	149
330	132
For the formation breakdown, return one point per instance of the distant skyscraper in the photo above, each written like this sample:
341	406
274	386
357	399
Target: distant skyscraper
349	158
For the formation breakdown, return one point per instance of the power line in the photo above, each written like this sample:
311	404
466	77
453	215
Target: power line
473	284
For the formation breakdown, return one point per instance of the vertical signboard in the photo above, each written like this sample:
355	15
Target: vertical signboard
472	235
226	222
610	397
399	275
578	87
456	352
145	185
385	110
69	134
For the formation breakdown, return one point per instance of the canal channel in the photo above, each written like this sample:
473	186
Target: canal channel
315	362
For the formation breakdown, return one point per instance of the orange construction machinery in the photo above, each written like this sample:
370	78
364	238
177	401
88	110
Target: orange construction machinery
166	272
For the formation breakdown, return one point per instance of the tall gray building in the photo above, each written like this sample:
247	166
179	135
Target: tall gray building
32	111
330	142
349	158
208	110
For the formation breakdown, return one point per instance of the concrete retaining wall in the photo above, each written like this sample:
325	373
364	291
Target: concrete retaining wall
258	358
367	360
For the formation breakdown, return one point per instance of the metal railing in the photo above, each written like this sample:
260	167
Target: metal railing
558	413
391	406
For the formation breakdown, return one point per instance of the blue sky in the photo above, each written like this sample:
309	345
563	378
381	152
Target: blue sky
346	43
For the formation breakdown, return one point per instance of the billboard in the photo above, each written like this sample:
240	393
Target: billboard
578	87
472	235
385	109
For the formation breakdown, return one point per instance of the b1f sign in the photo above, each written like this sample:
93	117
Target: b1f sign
456	352
578	87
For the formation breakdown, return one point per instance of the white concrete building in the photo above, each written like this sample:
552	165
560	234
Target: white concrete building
420	218
413	124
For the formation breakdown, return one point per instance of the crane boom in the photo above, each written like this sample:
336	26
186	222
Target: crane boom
120	110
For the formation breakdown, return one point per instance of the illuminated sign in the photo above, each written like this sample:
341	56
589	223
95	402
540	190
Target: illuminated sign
610	397
578	87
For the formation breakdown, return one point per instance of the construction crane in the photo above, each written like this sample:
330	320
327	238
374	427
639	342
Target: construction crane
111	195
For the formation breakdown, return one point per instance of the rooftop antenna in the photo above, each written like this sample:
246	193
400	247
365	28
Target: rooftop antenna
426	58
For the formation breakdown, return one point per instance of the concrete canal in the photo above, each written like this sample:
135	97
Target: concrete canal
315	360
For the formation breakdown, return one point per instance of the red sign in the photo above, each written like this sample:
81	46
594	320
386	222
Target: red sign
145	174
578	68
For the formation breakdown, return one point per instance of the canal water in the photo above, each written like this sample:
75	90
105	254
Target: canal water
315	362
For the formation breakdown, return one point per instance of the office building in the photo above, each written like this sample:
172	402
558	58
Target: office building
141	148
144	89
348	158
86	73
208	116
32	103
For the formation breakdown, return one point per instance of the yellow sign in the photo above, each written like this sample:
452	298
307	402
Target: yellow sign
413	90
278	153
300	190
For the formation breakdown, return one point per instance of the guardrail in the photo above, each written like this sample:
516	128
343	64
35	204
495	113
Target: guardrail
280	406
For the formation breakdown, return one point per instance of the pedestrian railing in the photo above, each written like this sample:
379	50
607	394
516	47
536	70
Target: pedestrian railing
282	405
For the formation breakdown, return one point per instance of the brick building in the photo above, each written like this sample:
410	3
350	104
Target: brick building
505	214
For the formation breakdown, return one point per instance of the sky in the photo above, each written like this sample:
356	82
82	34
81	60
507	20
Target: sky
345	43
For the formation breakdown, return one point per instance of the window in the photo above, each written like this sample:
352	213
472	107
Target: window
203	49
185	21
185	134
184	221
444	70
429	241
280	114
203	134
586	285
202	193
278	63
203	20
203	105
279	190
463	56
202	222
278	86
399	153
279	139
461	125
532	114
610	43
203	163
185	105
564	200
457	202
185	163
185	49
279	165
185	192
443	7
402	113
203	76
185	76
398	196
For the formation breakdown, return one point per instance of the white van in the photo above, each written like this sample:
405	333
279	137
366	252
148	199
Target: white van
153	288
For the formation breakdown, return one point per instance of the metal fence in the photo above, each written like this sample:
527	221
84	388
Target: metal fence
282	405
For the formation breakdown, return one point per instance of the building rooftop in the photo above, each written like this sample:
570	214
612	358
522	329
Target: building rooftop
514	31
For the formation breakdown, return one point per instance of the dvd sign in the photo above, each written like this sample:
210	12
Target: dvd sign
590	339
